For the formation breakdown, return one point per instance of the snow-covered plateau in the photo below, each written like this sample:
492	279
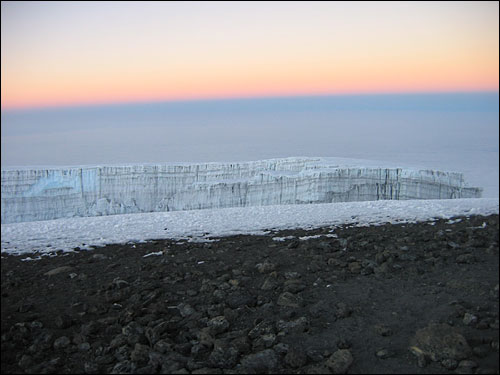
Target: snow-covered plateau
34	194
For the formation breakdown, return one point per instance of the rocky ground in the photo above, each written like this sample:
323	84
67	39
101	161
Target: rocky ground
408	298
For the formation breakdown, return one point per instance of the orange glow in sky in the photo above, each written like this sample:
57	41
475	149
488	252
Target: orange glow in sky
70	53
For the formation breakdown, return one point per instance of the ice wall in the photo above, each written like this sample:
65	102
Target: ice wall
44	194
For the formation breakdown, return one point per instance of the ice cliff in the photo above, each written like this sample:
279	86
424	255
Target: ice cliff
44	194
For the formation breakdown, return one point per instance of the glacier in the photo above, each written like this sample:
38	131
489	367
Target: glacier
34	194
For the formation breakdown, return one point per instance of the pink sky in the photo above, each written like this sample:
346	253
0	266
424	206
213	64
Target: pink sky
70	53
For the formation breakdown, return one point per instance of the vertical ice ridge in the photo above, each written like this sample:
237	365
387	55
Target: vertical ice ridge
44	194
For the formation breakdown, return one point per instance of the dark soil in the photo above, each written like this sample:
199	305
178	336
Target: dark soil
408	298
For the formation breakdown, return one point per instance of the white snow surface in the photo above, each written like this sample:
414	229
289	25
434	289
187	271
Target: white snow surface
43	238
32	194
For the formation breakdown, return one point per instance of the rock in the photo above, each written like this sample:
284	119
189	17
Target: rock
124	367
441	341
202	370
469	319
293	244
296	357
99	257
466	258
449	364
292	275
61	342
264	341
288	299
343	343
140	354
63	321
421	356
185	310
269	284
184	371
163	346
383	330
223	356
25	361
260	362
466	367
385	353
481	351
83	347
298	325
261	328
319	308
117	341
318	369
354	267
265	267
241	299
342	311
242	344
218	325
315	355
340	361
58	270
91	367
281	348
383	268
293	286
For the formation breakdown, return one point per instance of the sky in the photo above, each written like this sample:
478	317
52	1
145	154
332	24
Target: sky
79	53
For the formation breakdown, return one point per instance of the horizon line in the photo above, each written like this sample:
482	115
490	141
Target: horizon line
113	103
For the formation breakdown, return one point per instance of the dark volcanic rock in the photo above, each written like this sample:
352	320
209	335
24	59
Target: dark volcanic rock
441	341
406	298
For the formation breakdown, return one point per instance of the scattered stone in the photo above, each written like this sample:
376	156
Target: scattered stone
291	313
58	270
265	267
264	342
260	362
124	367
99	257
261	328
297	325
83	347
241	299
343	311
441	341
469	319
218	325
466	258
449	364
140	354
385	353
61	342
466	367
481	351
25	361
63	321
421	356
185	310
223	356
294	286
340	361
383	330
354	267
288	299
296	357
343	343
92	368
269	284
